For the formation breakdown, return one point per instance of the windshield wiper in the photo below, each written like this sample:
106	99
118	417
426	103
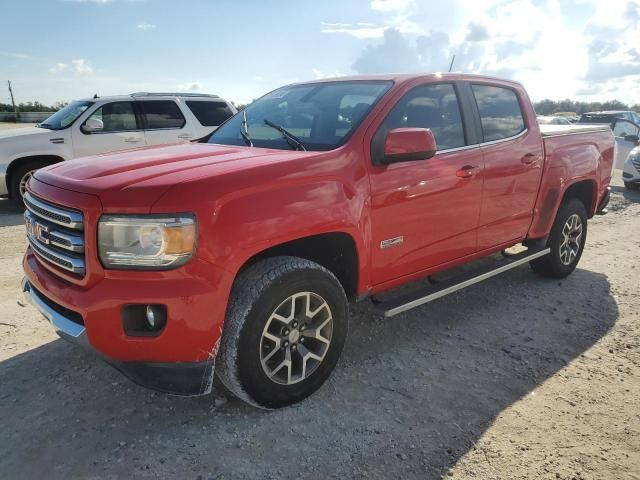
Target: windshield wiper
244	129
288	136
45	125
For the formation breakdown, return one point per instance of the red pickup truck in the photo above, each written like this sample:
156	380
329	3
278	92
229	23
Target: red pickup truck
241	255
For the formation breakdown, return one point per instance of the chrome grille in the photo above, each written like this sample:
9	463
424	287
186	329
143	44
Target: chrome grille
636	162
55	234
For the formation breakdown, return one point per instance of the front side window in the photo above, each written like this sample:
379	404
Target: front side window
430	106
113	117
500	112
321	115
65	116
209	114
162	114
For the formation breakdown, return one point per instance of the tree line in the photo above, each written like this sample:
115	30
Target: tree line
549	107
31	107
544	107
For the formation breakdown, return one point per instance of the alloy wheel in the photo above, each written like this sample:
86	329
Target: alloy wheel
296	338
571	239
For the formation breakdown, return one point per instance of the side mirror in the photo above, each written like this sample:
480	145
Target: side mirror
92	125
632	138
409	144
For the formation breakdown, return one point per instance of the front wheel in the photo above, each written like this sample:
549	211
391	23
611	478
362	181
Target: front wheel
285	327
631	186
20	178
566	241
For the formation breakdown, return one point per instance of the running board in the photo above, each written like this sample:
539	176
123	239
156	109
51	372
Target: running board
439	290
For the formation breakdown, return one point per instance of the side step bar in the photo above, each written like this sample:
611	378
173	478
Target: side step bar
439	290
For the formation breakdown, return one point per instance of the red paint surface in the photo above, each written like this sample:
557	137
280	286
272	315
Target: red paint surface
249	199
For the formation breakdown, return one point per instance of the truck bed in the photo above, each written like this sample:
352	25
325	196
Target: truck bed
555	130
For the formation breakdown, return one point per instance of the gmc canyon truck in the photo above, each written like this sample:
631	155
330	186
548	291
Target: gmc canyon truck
239	257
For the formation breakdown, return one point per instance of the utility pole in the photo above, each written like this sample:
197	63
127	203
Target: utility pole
451	66
15	110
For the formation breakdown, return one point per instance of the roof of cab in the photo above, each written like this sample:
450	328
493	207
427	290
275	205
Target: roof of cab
407	77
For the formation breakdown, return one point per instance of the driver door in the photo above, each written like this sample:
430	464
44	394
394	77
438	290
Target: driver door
111	127
425	213
627	134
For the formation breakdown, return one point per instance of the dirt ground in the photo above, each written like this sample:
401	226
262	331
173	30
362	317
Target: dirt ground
517	377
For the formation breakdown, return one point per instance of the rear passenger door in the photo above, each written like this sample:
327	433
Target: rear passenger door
163	122
513	157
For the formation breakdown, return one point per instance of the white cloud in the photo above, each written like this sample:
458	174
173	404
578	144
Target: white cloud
319	74
101	2
190	87
145	27
537	42
358	30
79	66
58	67
21	56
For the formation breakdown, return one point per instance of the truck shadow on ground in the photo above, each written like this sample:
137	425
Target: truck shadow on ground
630	195
410	397
10	214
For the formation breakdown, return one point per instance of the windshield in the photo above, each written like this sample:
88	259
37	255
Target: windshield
321	116
65	116
597	118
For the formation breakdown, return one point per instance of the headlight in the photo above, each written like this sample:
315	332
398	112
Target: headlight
157	242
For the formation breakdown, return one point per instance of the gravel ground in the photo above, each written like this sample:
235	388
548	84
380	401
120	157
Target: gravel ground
517	377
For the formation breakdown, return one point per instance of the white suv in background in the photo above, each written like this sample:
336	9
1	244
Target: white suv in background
106	124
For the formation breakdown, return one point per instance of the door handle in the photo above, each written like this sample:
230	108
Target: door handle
467	171
529	158
185	136
132	140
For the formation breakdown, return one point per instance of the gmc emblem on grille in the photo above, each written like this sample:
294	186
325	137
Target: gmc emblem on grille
35	229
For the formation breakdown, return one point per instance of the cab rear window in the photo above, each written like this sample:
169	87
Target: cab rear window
210	114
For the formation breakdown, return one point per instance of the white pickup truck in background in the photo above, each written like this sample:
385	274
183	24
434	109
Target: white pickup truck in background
106	124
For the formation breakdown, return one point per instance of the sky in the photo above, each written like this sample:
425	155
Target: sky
58	50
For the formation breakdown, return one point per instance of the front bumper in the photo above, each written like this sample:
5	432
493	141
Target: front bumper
179	378
179	360
631	172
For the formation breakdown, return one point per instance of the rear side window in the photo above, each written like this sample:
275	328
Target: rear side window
500	112
113	117
210	114
430	106
162	114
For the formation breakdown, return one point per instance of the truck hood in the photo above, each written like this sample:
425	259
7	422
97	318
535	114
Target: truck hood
122	177
23	132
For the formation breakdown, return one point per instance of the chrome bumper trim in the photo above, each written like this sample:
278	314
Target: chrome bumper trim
61	323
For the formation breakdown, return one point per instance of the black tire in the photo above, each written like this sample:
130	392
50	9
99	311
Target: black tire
552	265
16	178
256	294
631	186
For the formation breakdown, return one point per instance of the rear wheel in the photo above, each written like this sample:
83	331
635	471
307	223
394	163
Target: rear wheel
566	241
19	179
284	331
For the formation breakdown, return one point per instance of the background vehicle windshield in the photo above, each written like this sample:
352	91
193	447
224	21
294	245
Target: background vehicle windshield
321	115
66	116
597	118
